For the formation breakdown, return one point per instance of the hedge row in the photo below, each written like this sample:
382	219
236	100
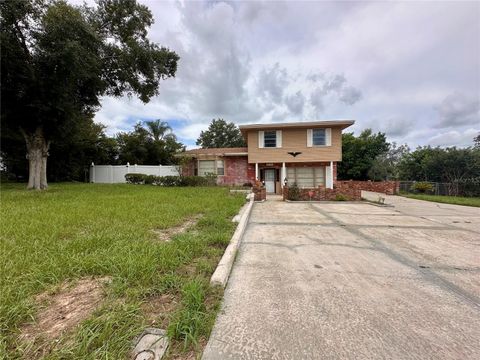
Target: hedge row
171	180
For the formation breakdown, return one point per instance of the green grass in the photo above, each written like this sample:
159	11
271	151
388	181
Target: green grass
456	200
73	231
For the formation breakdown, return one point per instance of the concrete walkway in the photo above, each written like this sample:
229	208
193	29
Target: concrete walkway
354	281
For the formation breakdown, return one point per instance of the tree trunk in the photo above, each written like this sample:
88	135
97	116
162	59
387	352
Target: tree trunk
37	153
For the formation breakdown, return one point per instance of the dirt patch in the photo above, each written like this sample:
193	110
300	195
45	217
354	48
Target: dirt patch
159	309
167	234
60	312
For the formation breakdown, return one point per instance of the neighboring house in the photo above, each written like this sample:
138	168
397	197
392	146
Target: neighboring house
305	153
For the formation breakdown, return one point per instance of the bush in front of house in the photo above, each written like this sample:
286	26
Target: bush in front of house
135	178
169	181
341	197
422	187
294	192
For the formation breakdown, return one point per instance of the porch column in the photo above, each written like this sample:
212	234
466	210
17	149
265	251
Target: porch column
256	171
283	176
330	176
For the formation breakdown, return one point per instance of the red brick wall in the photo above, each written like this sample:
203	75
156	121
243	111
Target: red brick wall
350	190
236	171
323	194
386	187
189	168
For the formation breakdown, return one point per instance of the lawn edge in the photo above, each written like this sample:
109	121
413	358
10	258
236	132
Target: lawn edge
438	201
222	272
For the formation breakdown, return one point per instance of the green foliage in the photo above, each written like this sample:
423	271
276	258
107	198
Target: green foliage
440	165
188	323
358	154
58	60
341	197
171	180
151	144
110	234
221	134
133	178
385	166
294	192
422	187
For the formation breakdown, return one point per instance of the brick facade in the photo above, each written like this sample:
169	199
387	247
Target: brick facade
347	190
237	171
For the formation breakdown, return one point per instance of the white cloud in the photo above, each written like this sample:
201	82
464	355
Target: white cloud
454	138
396	67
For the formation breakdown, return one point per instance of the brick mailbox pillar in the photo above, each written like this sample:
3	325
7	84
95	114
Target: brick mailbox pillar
259	193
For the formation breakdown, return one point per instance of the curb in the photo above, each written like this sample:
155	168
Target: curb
224	267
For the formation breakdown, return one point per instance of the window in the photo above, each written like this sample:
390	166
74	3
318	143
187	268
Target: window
220	167
306	177
319	137
270	139
206	167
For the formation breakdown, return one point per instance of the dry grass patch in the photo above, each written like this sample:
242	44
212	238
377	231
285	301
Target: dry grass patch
61	311
167	234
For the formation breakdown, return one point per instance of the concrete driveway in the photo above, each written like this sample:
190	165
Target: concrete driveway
354	281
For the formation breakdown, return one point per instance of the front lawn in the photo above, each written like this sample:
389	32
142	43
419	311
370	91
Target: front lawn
110	237
456	200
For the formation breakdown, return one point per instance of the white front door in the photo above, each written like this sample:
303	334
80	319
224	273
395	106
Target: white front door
270	180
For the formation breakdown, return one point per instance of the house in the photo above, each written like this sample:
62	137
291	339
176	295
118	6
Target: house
305	153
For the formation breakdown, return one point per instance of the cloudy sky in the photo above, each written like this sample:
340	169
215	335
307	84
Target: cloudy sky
410	69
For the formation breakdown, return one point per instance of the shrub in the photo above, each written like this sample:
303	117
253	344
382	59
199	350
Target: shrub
248	184
194	181
211	179
150	179
170	181
293	192
422	187
135	178
341	197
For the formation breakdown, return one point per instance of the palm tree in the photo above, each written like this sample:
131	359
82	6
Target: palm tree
158	129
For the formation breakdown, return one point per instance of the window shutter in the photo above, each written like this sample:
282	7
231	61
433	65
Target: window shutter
328	136
261	142
279	138
309	137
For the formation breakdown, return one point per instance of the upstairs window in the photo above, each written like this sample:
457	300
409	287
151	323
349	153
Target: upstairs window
270	139
319	137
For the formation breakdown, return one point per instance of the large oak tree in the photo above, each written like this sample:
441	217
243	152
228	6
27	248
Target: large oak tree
58	60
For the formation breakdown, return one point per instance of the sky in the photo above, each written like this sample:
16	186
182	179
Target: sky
409	69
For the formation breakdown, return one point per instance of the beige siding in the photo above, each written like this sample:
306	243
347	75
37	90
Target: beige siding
295	140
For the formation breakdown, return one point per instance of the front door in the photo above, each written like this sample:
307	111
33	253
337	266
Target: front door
270	180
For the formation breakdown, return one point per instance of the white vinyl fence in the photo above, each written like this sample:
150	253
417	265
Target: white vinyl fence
110	174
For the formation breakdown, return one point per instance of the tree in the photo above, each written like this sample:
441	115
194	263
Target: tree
385	166
158	129
57	60
221	134
476	142
358	154
151	144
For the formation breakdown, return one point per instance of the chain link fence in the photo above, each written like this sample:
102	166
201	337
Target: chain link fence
467	187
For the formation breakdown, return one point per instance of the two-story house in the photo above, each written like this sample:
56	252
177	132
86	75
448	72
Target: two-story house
305	153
